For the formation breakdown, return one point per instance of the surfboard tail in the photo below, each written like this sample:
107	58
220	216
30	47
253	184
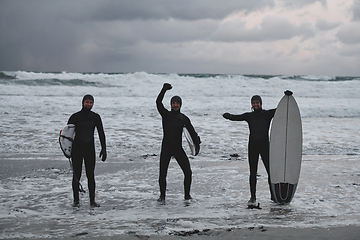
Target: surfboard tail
283	192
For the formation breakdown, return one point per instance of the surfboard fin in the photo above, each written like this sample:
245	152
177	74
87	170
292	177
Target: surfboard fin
284	192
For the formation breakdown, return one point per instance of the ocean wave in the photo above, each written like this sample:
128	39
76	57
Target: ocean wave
53	79
101	77
5	76
50	82
320	78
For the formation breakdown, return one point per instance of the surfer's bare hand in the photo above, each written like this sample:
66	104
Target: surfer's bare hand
103	155
167	86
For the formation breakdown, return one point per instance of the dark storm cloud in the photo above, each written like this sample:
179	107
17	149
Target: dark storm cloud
161	31
36	34
356	10
163	9
295	4
324	25
112	10
350	51
158	35
271	28
42	35
350	33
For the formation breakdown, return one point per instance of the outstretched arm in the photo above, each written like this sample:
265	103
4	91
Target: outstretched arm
231	117
159	104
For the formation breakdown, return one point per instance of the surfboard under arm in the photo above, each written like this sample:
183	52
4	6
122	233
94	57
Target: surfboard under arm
66	138
189	141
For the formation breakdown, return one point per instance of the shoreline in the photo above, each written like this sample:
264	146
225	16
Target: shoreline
36	194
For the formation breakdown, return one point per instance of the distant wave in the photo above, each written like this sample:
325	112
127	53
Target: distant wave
73	78
4	76
321	78
52	79
50	82
48	75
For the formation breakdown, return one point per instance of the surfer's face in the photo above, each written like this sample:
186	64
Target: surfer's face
175	106
88	104
256	104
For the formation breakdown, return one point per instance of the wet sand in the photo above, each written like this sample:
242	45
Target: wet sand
23	216
261	233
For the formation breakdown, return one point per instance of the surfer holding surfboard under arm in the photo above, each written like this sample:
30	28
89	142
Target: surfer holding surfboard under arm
83	148
173	123
259	124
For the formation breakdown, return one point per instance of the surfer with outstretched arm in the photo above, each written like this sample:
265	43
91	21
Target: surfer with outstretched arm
173	122
259	124
83	148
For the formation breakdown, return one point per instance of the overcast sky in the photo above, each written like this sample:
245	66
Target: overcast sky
292	37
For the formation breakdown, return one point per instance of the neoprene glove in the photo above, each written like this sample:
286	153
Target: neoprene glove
197	149
226	115
288	93
103	155
167	86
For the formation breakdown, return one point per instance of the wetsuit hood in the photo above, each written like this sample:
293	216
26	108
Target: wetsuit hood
256	97
176	99
87	97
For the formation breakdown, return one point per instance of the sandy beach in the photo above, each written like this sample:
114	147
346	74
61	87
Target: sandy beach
345	233
36	201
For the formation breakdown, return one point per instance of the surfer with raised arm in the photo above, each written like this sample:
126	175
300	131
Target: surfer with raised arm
83	148
259	123
173	122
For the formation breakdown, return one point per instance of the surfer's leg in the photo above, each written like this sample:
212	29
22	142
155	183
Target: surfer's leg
89	160
184	163
76	160
253	156
264	153
164	164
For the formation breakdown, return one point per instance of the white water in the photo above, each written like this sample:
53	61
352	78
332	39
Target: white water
37	202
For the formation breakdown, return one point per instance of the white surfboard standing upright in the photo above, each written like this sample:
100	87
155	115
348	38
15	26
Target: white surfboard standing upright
285	150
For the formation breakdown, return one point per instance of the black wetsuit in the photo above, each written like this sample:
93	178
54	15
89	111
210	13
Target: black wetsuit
259	123
173	123
84	148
